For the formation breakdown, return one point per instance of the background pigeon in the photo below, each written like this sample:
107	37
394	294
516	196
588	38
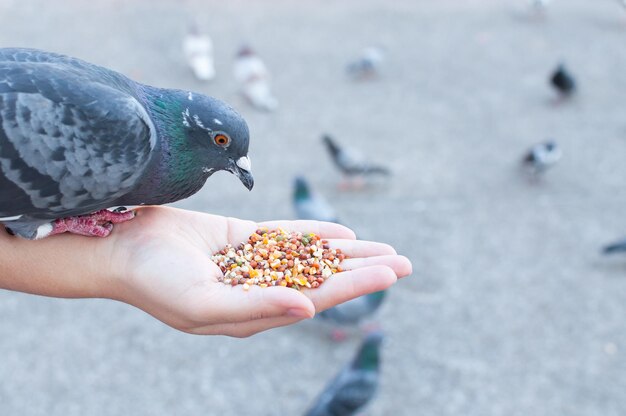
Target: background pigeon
253	78
198	50
351	164
352	313
355	385
539	5
77	138
542	156
563	81
309	205
368	64
617	247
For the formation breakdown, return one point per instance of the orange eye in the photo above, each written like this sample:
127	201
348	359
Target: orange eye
221	139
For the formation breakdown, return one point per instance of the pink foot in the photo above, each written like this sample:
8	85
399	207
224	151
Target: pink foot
338	335
371	327
98	224
352	184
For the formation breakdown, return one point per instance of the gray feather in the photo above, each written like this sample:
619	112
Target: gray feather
355	385
47	146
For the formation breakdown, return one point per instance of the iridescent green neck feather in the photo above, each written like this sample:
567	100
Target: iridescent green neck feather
175	171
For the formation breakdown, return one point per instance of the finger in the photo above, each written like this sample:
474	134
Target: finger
245	329
324	229
360	248
230	304
344	286
400	265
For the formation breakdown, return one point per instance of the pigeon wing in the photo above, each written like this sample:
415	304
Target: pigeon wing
67	146
356	390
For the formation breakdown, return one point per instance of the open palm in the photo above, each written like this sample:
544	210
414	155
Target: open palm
161	264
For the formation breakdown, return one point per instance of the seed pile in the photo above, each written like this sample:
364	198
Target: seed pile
279	258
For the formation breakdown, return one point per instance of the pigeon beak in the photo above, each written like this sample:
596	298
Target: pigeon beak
241	168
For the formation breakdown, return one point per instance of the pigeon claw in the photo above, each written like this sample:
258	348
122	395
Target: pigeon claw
98	224
338	335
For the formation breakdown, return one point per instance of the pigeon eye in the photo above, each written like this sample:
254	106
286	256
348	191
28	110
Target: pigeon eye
221	140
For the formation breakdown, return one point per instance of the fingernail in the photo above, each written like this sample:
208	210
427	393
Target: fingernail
297	313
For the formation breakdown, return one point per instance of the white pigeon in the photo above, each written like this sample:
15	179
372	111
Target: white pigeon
253	78
542	156
198	49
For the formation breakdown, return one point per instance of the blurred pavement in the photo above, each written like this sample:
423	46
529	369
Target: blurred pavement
510	310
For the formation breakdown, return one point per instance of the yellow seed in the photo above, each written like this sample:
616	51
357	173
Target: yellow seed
263	285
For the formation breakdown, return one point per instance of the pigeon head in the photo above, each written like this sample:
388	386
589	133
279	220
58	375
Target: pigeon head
219	135
301	189
550	145
368	356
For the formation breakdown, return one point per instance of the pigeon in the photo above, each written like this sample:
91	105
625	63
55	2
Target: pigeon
352	165
617	247
198	50
355	385
368	64
309	205
352	312
77	138
539	5
253	78
542	156
563	81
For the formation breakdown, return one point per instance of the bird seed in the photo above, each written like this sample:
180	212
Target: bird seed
279	258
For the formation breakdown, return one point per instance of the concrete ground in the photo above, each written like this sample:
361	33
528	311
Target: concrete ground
510	311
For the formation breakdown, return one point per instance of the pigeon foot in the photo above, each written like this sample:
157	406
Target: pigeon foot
98	224
338	335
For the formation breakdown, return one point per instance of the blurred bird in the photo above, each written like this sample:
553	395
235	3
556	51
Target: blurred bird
253	78
617	247
563	81
309	205
351	164
77	139
355	385
539	5
352	313
542	156
198	49
367	66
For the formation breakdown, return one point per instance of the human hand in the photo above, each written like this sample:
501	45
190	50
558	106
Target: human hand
160	262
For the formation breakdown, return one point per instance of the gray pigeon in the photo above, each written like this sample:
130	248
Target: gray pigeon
617	247
355	385
352	312
311	206
76	139
542	156
368	64
563	81
352	165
